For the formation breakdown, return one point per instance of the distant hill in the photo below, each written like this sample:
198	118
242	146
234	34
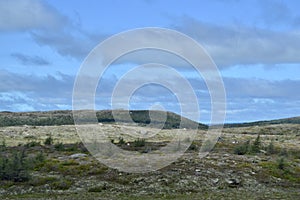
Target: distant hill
291	120
65	117
141	117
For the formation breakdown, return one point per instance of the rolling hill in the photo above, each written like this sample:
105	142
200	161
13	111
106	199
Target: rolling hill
141	117
291	120
65	117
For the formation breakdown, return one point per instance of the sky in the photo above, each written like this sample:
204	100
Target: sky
255	45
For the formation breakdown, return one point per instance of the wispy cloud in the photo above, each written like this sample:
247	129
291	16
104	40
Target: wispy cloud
30	60
69	42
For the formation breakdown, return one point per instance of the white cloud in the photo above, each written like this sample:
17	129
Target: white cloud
26	15
233	45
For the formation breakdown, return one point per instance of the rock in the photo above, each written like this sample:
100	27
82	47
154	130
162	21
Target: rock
215	180
256	159
77	155
233	182
262	151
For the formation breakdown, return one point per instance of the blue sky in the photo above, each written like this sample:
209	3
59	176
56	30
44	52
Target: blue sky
255	45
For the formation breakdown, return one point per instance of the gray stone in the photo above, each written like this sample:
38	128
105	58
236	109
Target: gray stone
233	182
77	155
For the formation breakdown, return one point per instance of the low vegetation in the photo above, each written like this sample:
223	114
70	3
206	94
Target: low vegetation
48	163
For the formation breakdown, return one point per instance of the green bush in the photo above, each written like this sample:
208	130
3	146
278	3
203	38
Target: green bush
255	147
121	141
139	142
99	188
248	148
59	147
243	148
62	184
281	163
15	167
48	140
3	145
38	181
271	149
32	144
40	158
283	152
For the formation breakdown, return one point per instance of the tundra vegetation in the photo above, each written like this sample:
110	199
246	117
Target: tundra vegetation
260	161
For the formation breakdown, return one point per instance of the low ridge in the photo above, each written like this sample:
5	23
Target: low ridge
65	117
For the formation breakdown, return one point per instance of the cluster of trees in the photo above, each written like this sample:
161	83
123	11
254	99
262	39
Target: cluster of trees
39	121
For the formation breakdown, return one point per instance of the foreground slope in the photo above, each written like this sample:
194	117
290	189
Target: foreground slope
50	162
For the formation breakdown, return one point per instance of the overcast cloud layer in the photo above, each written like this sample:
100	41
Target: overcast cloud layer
273	40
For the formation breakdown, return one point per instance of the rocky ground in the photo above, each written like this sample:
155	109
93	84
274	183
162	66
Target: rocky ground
60	167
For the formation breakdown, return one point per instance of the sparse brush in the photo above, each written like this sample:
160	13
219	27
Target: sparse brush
59	146
270	148
48	140
32	144
3	145
281	164
207	146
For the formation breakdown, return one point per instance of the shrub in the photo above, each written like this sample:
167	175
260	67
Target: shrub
139	143
271	149
121	141
38	181
40	158
255	147
242	149
59	147
247	148
48	140
15	168
62	184
281	163
283	152
32	144
3	145
193	147
99	188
